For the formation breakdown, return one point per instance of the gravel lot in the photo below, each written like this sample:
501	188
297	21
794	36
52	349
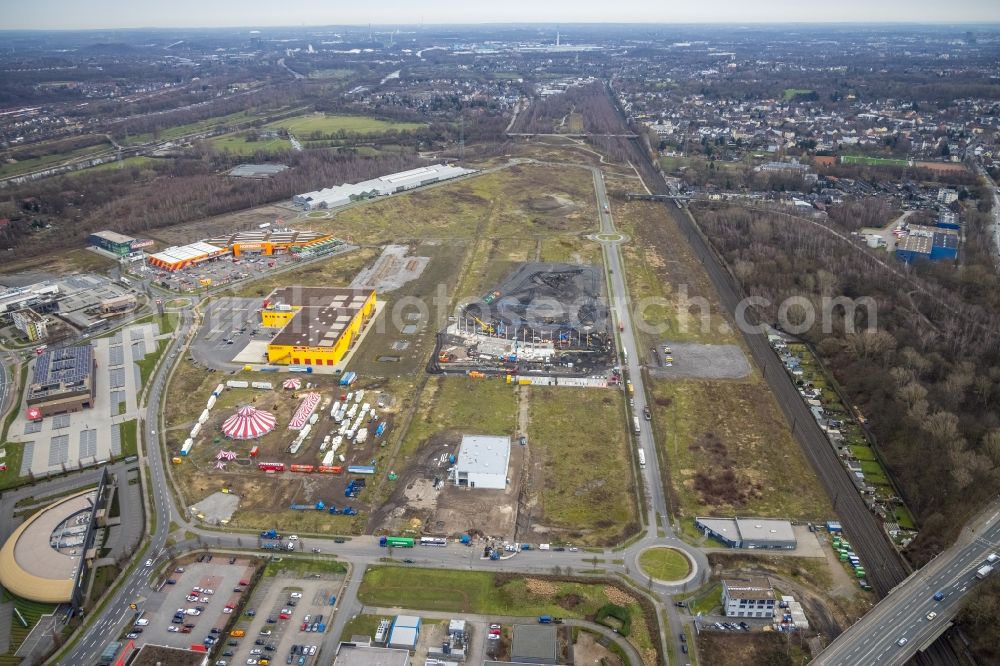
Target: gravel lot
694	361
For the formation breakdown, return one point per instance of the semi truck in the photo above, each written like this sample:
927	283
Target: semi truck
984	571
635	424
395	542
642	458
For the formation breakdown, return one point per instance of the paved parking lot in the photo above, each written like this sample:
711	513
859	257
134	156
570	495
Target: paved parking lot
273	595
216	575
63	441
228	319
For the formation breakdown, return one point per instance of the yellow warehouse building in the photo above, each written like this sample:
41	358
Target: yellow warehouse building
319	325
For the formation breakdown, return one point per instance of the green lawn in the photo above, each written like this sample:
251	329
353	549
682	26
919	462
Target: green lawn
872	161
149	361
476	592
665	563
362	625
300	566
130	446
581	501
303	126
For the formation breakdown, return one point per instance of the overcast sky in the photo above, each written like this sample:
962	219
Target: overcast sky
75	14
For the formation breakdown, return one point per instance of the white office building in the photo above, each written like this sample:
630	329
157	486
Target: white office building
751	597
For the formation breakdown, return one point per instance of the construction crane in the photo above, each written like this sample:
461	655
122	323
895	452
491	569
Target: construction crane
487	328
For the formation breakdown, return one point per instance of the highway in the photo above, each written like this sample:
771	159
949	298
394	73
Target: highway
903	614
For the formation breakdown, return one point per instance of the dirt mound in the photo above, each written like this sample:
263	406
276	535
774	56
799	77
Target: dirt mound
545	204
619	597
541	587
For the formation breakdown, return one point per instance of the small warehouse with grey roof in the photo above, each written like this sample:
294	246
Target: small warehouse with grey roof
482	462
749	532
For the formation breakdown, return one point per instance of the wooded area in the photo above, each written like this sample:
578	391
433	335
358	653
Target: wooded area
140	199
927	376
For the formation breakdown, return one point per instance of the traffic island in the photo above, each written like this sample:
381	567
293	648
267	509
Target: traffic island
666	565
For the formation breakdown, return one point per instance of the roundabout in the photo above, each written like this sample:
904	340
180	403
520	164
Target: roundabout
666	565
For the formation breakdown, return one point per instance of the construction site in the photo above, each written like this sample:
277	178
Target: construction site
543	320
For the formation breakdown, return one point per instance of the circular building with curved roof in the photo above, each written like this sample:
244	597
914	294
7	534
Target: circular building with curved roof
40	560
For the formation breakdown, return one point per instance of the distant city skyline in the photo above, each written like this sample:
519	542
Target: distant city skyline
98	14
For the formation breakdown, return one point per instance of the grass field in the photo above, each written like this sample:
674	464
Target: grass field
486	406
71	261
729	451
665	564
178	131
791	93
34	164
520	202
237	144
872	161
335	271
671	293
330	73
810	571
137	161
362	625
587	487
303	126
719	648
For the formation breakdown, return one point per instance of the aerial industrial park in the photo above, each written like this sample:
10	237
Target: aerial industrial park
613	344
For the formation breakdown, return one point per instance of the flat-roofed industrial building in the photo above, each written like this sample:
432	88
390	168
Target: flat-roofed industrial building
482	462
63	380
112	241
360	654
749	532
341	195
319	325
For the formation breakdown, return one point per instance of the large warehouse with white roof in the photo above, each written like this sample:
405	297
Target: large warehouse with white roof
340	195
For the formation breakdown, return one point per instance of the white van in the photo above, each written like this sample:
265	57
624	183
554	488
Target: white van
543	546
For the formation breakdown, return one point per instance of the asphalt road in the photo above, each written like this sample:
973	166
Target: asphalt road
117	611
903	614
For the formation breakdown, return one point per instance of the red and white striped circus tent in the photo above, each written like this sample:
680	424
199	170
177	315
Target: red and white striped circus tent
292	383
248	423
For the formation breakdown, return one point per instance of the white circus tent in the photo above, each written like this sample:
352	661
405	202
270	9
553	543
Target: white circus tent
248	423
